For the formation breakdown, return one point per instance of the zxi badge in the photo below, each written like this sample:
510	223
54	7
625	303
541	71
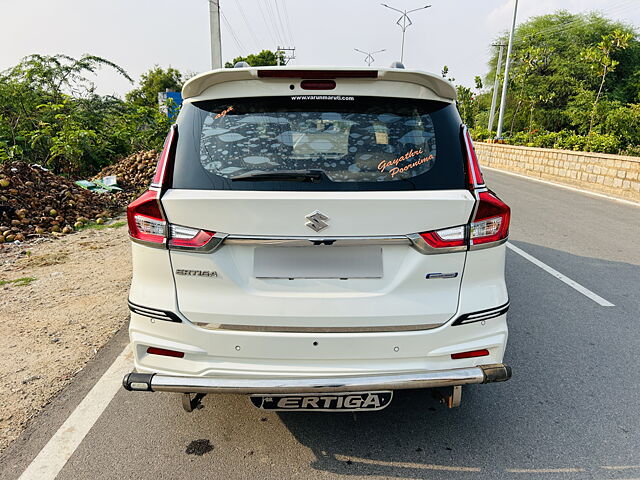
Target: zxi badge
317	221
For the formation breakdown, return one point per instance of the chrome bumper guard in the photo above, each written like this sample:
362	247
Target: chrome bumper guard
152	382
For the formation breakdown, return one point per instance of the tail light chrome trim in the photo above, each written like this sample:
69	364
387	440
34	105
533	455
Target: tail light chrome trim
284	241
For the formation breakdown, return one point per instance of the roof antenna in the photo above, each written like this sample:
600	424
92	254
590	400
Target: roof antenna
397	64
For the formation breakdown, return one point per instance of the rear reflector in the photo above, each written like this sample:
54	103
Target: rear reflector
472	354
165	352
318	84
317	74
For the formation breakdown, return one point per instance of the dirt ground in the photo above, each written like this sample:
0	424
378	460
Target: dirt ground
60	302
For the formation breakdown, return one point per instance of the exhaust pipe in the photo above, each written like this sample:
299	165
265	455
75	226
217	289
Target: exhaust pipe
496	372
138	382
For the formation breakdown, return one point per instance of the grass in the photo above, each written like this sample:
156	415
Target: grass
18	282
101	226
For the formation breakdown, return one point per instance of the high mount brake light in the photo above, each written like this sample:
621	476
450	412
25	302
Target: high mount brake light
318	84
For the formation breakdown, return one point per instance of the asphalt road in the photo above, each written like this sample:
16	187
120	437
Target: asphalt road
571	410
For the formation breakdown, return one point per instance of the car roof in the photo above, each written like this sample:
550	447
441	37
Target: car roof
440	86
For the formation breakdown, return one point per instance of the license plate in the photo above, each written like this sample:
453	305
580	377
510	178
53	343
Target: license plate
318	262
337	402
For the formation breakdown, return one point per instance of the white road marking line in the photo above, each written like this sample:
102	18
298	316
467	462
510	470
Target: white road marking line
620	467
54	455
566	187
573	284
544	470
422	466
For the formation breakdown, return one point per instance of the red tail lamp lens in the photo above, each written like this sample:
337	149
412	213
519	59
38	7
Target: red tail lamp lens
186	237
472	354
145	218
447	237
165	352
491	222
474	173
165	166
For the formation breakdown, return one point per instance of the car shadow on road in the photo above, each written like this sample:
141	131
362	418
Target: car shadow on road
565	407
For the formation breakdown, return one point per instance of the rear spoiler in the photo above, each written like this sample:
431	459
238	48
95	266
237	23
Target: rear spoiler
198	84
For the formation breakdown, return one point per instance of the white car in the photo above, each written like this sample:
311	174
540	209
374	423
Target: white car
317	238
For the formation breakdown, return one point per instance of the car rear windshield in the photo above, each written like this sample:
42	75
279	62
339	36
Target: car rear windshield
324	143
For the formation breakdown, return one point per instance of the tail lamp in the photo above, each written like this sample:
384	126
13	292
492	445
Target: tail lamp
490	222
145	216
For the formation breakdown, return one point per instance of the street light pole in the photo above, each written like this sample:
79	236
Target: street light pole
214	28
369	56
503	100
404	18
494	98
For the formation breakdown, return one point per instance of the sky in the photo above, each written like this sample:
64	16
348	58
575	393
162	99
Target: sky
138	34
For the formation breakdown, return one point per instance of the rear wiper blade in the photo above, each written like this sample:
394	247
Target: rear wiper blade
282	175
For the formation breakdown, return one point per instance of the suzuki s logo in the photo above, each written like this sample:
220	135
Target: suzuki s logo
317	221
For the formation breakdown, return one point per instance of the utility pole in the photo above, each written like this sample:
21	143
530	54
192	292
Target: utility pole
369	56
214	28
404	25
503	100
494	98
287	58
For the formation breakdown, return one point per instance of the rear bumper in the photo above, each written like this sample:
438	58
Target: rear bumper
151	382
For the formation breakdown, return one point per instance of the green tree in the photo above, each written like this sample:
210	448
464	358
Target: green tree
601	59
50	114
550	69
151	83
265	58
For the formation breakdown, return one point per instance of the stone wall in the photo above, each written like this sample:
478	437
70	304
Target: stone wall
614	175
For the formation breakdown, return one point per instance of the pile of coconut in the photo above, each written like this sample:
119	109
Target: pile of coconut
35	202
133	174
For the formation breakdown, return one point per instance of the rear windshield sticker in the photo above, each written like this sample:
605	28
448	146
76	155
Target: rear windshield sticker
322	97
393	164
420	161
223	113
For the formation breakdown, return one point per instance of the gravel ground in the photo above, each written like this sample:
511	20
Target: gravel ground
71	300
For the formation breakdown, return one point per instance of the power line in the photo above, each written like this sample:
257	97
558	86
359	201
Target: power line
246	22
243	51
284	30
266	22
287	21
272	18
